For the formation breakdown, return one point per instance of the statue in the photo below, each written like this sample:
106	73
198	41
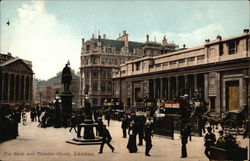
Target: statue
66	78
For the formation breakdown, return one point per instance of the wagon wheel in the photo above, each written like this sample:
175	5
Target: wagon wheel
230	127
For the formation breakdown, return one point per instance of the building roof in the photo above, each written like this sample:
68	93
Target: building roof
132	45
118	44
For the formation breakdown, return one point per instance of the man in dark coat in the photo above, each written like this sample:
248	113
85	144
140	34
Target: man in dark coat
106	139
147	138
125	123
184	141
210	139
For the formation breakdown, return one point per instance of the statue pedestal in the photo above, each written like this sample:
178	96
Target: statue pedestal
66	98
89	137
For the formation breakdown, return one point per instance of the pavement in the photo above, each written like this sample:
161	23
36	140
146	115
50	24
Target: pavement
49	144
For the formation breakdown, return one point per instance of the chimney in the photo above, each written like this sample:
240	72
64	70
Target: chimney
124	32
99	37
104	36
218	37
82	41
164	41
147	38
245	31
207	40
184	45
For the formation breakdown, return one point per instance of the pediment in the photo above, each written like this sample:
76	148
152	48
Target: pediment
18	66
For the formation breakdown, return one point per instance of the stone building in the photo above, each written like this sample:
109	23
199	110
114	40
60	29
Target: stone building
219	69
44	91
100	56
16	77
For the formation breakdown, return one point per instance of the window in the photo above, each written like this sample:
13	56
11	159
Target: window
115	61
87	47
232	47
172	62
182	61
95	86
103	74
103	86
200	57
137	66
191	59
94	60
109	61
95	74
103	60
109	74
109	50
109	86
87	60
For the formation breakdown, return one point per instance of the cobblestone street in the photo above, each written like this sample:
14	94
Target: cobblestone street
43	144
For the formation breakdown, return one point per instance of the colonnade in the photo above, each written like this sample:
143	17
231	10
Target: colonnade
15	87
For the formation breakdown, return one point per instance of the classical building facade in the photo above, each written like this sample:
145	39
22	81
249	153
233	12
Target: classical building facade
219	69
100	56
16	77
44	91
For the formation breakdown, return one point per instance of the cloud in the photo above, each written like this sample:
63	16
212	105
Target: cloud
38	36
194	38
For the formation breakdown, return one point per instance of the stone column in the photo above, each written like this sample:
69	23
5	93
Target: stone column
176	85
155	88
8	84
20	87
14	86
206	86
169	88
31	88
186	81
2	88
195	82
161	88
24	89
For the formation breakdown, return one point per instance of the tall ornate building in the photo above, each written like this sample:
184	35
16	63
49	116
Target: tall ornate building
219	69
100	56
16	77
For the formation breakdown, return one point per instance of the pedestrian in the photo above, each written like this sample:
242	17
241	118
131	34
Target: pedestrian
132	138
108	117
99	127
184	141
209	141
148	133
73	123
124	126
106	139
140	125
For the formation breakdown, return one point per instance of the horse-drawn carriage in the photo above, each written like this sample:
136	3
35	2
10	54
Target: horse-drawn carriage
233	122
114	108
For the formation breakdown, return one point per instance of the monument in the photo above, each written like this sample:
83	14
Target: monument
66	96
88	137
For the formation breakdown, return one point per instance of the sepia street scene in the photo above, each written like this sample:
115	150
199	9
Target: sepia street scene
124	80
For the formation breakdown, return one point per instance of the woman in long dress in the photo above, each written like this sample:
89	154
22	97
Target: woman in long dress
132	147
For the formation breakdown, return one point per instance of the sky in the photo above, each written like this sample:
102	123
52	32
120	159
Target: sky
49	32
